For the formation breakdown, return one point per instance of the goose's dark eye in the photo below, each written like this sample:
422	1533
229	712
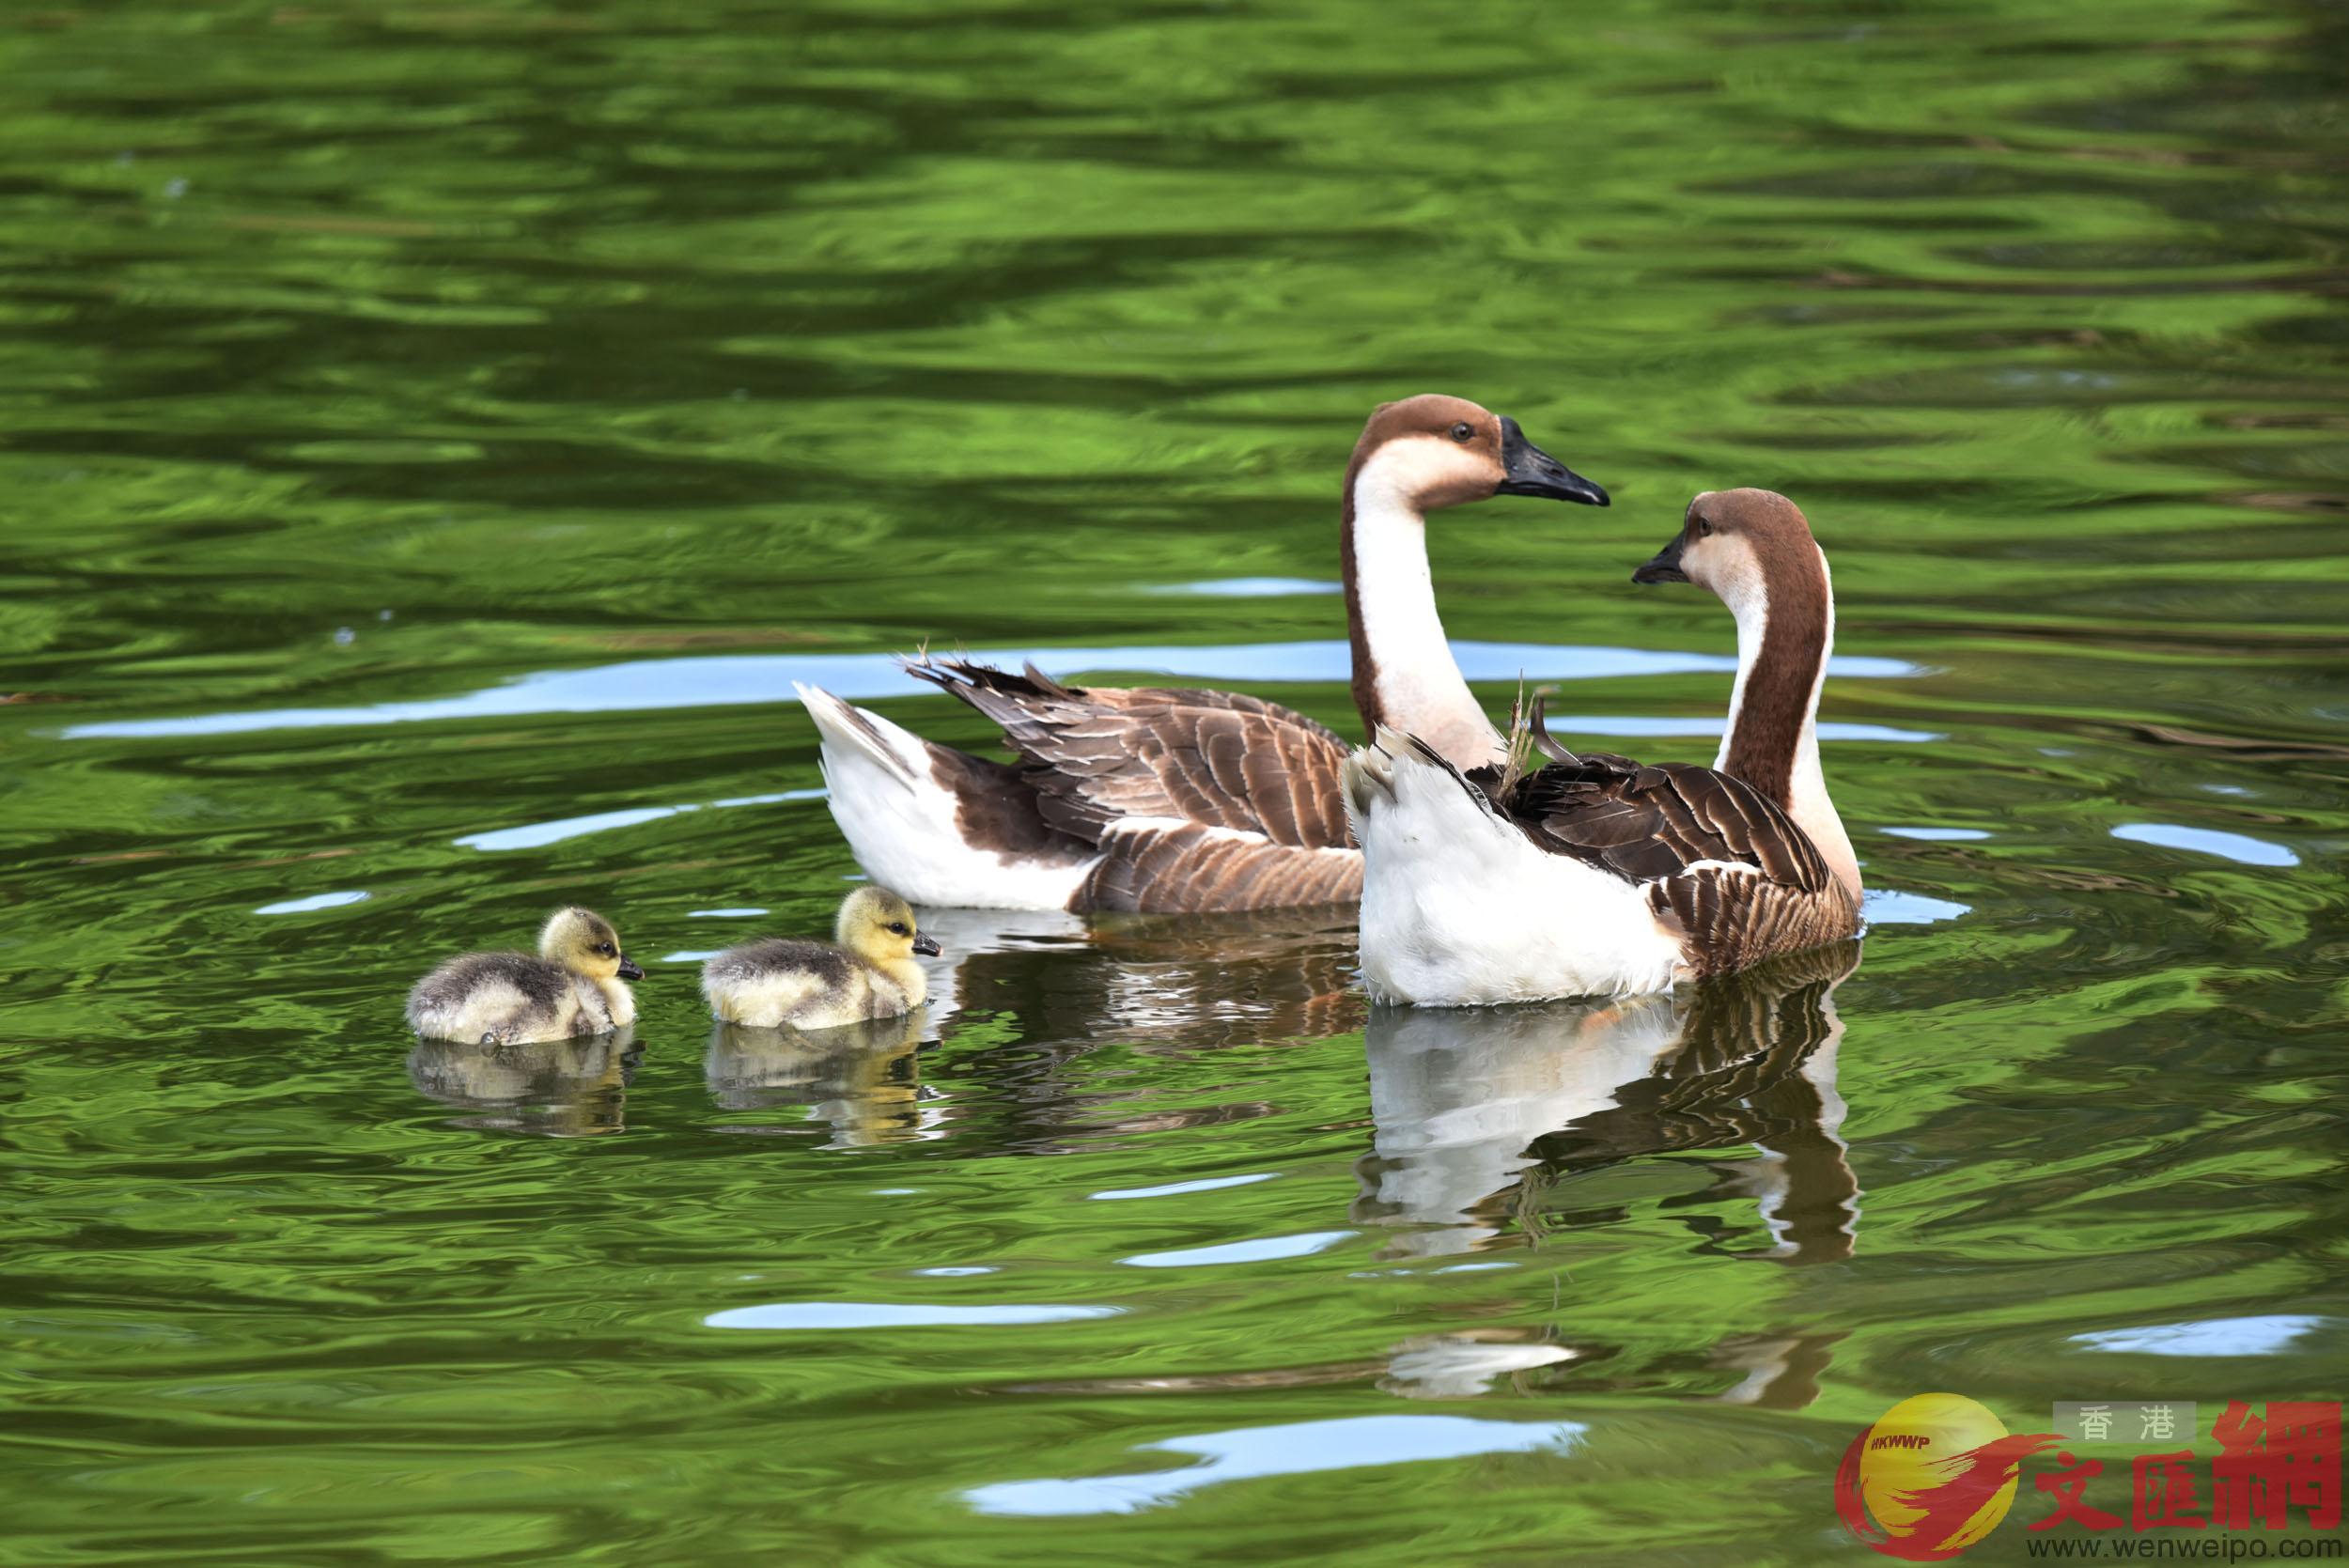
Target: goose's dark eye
899	927
607	950
1460	432
1704	529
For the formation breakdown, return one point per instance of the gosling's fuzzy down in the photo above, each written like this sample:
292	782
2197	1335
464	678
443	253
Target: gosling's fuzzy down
869	973
577	984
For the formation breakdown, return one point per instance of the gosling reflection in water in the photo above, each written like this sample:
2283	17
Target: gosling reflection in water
1486	1115
575	1088
862	1080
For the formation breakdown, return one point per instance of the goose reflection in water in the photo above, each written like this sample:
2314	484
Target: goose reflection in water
574	1088
1154	985
1485	1116
1190	980
861	1081
1481	1112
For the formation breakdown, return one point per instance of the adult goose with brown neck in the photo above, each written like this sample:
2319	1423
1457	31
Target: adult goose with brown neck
1174	799
1599	875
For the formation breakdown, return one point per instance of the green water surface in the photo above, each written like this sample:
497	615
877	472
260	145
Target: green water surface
434	437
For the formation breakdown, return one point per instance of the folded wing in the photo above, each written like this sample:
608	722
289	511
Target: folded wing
1198	801
1734	873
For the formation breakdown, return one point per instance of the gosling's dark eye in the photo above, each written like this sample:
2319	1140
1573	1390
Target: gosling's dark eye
900	928
1704	529
607	950
1460	432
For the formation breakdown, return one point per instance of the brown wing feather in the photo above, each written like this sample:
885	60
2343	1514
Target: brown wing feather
1098	757
1192	869
1725	864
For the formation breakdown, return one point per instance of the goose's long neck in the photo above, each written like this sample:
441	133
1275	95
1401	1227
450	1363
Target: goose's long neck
1404	673
1786	630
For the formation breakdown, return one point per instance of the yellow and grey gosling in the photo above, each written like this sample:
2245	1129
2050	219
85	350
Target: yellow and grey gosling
870	973
577	985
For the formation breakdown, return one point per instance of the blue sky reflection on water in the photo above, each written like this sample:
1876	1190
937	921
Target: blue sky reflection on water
2226	1336
730	680
897	1315
1299	1448
2240	847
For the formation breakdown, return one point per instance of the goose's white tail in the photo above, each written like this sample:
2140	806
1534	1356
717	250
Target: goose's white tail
1460	908
893	796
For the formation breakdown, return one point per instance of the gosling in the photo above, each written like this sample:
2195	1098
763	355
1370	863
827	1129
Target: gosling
577	985
773	984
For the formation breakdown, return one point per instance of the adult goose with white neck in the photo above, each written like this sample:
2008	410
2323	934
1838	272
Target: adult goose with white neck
1180	800
1599	875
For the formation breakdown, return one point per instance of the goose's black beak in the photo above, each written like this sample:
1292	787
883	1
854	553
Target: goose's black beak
926	945
1665	567
630	969
1534	472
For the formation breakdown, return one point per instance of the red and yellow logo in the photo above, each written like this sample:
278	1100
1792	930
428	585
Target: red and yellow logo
1934	1475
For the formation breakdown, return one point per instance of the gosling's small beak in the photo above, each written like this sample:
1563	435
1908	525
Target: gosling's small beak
630	969
926	945
1666	566
1534	472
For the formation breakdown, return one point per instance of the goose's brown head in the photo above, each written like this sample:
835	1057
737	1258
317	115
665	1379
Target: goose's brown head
1434	451
1736	543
